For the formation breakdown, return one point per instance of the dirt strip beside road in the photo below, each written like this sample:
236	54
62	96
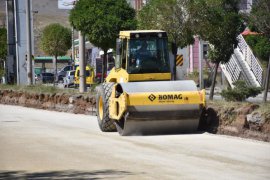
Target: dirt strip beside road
246	120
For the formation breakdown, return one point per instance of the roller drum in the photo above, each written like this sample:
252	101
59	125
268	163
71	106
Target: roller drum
159	119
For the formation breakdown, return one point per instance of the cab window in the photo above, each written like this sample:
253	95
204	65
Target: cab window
121	53
124	53
118	53
148	55
87	73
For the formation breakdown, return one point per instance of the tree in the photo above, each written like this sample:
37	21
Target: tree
55	41
260	45
170	16
101	22
3	50
260	19
219	23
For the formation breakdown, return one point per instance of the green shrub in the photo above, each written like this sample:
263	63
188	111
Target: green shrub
240	92
194	74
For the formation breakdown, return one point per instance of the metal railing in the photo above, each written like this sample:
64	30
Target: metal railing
247	75
251	60
232	70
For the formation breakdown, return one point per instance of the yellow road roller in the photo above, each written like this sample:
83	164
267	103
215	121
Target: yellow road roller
138	96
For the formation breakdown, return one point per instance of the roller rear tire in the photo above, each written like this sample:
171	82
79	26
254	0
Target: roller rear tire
102	105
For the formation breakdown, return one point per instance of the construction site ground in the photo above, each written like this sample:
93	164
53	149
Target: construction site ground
42	144
228	118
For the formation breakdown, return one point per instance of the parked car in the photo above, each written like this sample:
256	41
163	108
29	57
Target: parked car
47	77
62	73
69	78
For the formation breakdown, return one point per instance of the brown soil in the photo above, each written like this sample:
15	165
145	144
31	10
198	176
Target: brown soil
231	119
57	102
221	118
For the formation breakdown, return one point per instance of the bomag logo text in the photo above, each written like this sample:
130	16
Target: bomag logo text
170	97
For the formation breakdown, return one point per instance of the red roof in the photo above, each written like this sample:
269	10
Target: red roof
248	32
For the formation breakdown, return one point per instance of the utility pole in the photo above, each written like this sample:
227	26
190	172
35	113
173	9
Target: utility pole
55	70
201	64
82	87
174	52
29	44
10	65
72	47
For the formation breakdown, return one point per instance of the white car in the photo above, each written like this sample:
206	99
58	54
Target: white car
69	78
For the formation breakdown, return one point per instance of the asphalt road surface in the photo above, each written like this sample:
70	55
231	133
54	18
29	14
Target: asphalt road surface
39	144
